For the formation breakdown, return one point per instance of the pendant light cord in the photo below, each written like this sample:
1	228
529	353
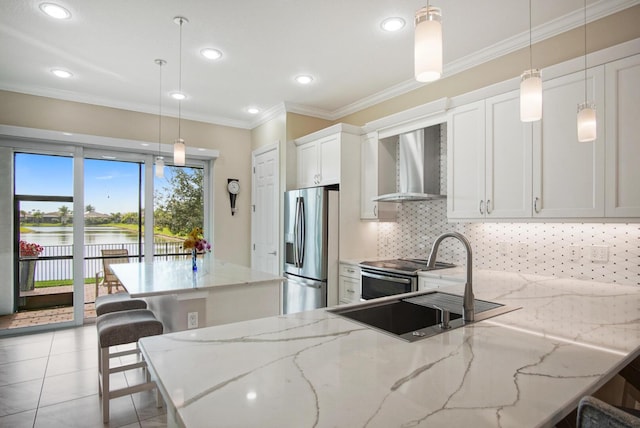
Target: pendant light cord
530	48
585	51
160	62
180	82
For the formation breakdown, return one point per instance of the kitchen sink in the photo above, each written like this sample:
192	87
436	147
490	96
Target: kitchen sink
416	317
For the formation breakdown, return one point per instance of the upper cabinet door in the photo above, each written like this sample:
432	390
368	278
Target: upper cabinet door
307	165
329	160
466	161
508	159
378	177
319	162
568	176
623	141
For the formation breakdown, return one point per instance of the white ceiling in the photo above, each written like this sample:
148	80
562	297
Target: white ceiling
110	47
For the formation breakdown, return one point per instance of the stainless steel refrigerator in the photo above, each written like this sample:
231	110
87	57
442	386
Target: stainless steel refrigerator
306	235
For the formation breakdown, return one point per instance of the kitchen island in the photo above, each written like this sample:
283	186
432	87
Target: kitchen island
526	368
218	292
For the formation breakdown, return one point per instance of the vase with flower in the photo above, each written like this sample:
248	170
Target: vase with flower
29	252
197	244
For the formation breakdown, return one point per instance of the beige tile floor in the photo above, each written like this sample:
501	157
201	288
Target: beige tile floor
50	380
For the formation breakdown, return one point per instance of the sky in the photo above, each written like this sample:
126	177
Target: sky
110	186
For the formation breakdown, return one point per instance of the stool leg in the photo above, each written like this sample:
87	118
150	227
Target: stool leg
104	363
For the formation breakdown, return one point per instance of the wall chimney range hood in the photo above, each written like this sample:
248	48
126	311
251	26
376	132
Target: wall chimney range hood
418	167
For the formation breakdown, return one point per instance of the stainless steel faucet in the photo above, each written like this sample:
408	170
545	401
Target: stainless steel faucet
468	308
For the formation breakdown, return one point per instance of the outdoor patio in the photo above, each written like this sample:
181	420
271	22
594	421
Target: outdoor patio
53	315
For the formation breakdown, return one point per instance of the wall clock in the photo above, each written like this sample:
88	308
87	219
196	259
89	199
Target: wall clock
233	187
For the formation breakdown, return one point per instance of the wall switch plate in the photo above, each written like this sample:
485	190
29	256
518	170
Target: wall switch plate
192	320
599	253
574	253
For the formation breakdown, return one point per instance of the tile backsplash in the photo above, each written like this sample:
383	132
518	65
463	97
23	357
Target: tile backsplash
554	249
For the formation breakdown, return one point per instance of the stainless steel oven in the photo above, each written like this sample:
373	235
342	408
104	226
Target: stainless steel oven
380	284
388	277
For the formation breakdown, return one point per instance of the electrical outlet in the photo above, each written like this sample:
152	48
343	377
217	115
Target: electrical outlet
192	320
574	253
599	253
503	248
523	250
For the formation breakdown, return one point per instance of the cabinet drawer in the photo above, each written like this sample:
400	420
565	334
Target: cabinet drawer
349	289
431	283
351	271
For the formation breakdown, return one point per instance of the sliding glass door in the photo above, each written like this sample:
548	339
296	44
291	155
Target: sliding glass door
43	239
71	206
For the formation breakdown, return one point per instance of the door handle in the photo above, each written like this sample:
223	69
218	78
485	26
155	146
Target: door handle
535	205
481	207
489	206
273	253
375	210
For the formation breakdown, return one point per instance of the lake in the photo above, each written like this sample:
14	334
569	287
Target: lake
63	235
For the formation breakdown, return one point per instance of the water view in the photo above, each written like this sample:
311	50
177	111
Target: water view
63	235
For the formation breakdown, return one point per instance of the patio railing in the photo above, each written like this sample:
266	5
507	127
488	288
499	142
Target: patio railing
55	262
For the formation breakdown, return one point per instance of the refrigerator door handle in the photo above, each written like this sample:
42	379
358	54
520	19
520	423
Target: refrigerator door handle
303	231
296	258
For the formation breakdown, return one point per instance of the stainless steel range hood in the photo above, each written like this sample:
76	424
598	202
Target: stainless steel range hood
418	167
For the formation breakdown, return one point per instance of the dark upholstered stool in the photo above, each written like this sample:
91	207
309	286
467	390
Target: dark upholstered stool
118	302
119	328
593	413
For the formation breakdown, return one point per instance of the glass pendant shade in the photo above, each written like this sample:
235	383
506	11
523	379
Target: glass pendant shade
179	152
159	167
586	122
530	96
428	44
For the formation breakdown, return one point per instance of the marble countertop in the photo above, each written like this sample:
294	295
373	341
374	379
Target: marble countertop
525	368
175	277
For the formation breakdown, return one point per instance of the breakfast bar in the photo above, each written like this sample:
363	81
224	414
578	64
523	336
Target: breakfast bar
217	293
526	368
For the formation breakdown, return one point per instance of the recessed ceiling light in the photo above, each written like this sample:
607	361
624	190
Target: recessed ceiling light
392	24
304	79
144	144
178	95
253	110
64	74
55	11
211	53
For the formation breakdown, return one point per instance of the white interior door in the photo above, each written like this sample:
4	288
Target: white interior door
265	215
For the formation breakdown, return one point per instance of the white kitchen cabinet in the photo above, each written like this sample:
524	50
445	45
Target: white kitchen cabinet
568	176
489	160
622	113
349	283
378	169
319	162
507	159
466	162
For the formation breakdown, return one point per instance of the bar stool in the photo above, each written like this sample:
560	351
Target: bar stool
119	328
118	302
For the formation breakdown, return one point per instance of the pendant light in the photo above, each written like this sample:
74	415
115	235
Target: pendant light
530	88
586	110
428	44
178	145
160	158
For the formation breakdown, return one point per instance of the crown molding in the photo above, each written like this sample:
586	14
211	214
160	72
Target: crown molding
110	103
562	24
595	11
